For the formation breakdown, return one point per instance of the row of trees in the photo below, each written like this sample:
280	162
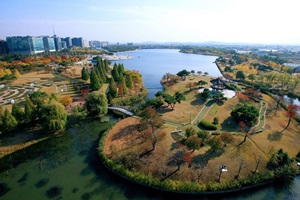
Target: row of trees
47	111
38	108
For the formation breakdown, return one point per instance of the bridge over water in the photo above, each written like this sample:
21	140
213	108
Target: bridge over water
121	109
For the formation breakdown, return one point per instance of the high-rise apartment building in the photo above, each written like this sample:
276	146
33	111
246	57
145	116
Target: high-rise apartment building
25	45
3	47
68	41
49	44
78	42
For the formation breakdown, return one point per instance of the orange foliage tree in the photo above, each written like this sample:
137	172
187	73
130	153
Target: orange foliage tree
291	113
67	100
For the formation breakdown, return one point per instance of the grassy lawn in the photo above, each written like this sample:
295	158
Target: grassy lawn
125	140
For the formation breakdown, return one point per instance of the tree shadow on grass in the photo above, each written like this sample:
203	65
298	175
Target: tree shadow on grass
125	131
165	109
202	159
229	125
276	136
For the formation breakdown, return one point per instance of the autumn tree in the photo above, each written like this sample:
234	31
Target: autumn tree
150	118
190	131
226	138
66	100
291	113
193	143
190	85
215	143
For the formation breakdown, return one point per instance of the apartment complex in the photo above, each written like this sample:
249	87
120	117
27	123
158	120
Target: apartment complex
39	44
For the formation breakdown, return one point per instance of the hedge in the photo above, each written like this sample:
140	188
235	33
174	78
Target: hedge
207	125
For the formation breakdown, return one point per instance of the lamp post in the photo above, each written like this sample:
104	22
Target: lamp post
222	169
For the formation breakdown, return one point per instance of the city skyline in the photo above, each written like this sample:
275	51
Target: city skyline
231	21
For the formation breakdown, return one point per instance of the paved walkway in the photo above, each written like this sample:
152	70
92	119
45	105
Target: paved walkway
261	120
202	113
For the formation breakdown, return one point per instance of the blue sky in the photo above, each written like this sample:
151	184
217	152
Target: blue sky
250	21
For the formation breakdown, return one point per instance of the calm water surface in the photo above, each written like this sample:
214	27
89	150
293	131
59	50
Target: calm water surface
154	63
67	167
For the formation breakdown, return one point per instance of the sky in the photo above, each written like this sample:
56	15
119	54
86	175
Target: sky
232	21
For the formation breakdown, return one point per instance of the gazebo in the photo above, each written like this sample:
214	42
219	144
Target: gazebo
218	84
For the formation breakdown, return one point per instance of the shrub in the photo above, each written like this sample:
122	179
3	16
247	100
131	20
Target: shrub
207	125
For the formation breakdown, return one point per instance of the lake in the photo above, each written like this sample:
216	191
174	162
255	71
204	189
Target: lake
154	63
67	167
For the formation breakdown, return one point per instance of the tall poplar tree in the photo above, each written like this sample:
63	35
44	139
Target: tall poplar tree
113	88
84	74
29	113
17	112
9	122
95	82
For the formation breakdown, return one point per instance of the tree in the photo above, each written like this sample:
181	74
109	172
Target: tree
9	122
252	77
183	74
218	96
190	85
245	113
192	72
201	83
154	103
53	116
115	72
193	143
96	103
66	100
96	84
215	143
16	73
38	98
122	82
179	97
17	112
129	82
199	72
291	113
190	131
278	159
240	75
152	119
205	95
226	138
84	74
112	88
29	110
